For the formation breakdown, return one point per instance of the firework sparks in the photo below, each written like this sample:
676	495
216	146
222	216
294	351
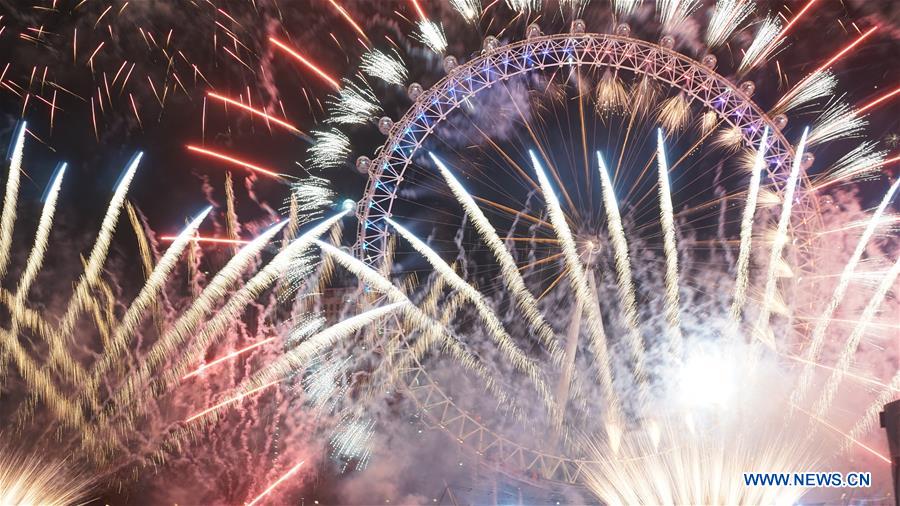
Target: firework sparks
355	104
811	88
233	160
743	263
673	13
584	295
762	330
254	111
623	269
330	149
727	17
818	334
470	10
495	328
292	471
387	67
511	275
8	216
306	62
764	44
838	121
667	221
432	35
850	347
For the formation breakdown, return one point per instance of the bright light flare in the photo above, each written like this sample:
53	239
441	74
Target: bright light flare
235	161
707	379
277	482
309	64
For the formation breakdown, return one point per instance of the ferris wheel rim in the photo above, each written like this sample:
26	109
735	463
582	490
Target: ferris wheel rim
697	80
551	466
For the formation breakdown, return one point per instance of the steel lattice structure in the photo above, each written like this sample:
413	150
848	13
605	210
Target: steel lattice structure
407	135
598	50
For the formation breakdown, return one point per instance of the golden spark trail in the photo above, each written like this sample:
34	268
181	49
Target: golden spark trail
818	333
315	345
58	355
35	258
432	328
510	273
8	216
586	299
623	270
262	280
850	347
667	220
778	244
169	343
45	224
743	263
124	331
495	328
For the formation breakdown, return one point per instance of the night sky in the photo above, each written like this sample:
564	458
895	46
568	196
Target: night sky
173	184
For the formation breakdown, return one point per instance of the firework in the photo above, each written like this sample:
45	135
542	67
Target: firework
625	323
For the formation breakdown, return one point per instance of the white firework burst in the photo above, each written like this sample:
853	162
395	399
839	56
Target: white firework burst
726	19
387	67
524	6
858	163
763	44
809	89
470	10
330	149
838	120
355	104
432	35
673	12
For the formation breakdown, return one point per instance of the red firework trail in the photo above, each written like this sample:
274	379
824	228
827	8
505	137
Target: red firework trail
346	15
215	240
267	117
235	161
878	100
312	66
846	49
230	356
277	482
793	21
229	401
418	9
